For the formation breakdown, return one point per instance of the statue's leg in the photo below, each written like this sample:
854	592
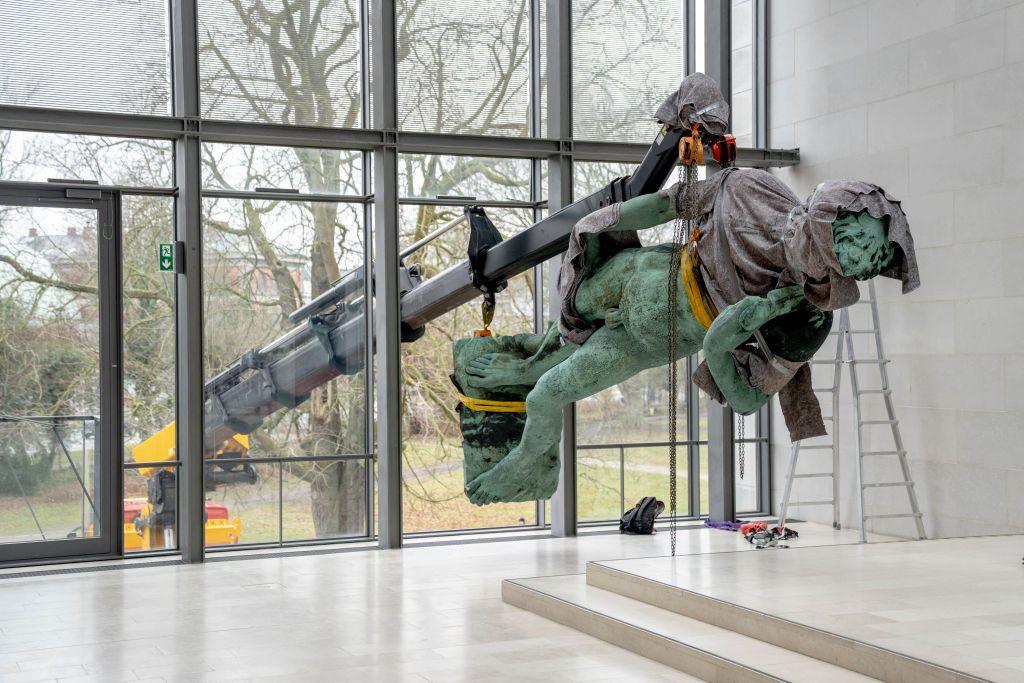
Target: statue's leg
608	357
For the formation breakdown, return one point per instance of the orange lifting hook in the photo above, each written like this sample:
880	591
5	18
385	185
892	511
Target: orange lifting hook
691	148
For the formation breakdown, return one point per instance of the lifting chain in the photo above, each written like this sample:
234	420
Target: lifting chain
686	214
742	445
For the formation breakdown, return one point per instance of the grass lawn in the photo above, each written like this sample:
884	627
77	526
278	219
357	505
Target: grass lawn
57	507
433	498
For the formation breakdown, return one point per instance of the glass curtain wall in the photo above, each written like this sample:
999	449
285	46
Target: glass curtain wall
284	94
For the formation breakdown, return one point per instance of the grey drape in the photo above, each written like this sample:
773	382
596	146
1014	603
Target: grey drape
774	240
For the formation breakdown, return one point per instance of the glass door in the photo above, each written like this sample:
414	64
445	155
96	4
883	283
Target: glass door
59	413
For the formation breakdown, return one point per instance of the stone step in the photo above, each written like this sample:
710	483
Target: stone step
846	653
688	645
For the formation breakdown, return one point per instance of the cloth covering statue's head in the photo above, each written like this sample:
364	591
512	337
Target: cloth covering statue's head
846	231
698	100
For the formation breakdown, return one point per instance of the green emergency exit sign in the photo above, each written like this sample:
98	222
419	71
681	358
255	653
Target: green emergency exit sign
166	257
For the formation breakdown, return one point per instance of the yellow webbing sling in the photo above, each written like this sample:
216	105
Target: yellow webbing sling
488	406
703	309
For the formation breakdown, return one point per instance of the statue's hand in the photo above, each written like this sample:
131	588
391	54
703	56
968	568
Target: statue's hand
492	370
754	311
741	319
730	329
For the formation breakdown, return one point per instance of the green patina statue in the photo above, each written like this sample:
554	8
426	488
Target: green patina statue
769	269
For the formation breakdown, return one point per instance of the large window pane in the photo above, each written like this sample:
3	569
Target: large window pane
49	373
303	169
148	382
431	176
632	411
433	460
246	513
743	72
307	517
628	55
47	477
463	66
590	176
746	462
83	54
599	484
149	527
292	62
647	474
263	259
38	157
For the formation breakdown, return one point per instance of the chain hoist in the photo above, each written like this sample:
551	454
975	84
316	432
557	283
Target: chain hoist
691	154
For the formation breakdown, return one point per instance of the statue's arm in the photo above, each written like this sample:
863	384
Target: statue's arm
645	211
733	327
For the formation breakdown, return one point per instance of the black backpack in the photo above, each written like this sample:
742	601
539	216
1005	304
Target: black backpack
640	519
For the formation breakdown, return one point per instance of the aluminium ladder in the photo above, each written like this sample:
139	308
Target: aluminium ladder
844	334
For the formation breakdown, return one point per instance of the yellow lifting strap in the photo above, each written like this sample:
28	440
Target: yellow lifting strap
488	406
703	309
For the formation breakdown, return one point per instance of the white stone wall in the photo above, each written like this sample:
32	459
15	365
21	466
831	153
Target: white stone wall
925	98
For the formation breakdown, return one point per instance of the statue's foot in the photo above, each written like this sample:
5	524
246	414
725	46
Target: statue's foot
518	477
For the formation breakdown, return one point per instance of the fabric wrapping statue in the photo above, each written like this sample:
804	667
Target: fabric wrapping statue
772	240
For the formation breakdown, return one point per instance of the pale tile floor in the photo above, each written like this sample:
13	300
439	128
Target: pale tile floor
422	613
955	602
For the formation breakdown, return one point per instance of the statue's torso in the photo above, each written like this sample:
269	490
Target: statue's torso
632	289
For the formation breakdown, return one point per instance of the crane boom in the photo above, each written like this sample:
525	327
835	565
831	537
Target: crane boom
328	344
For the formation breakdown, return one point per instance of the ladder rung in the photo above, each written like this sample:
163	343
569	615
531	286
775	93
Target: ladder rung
811	502
887	483
875	391
825	390
883	453
835	333
821	362
816	447
864	301
869	361
879	422
811	475
905	514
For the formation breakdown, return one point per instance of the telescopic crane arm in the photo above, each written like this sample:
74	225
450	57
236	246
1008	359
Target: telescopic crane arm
330	337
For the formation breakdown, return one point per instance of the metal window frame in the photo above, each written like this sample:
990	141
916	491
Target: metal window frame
764	415
558	47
